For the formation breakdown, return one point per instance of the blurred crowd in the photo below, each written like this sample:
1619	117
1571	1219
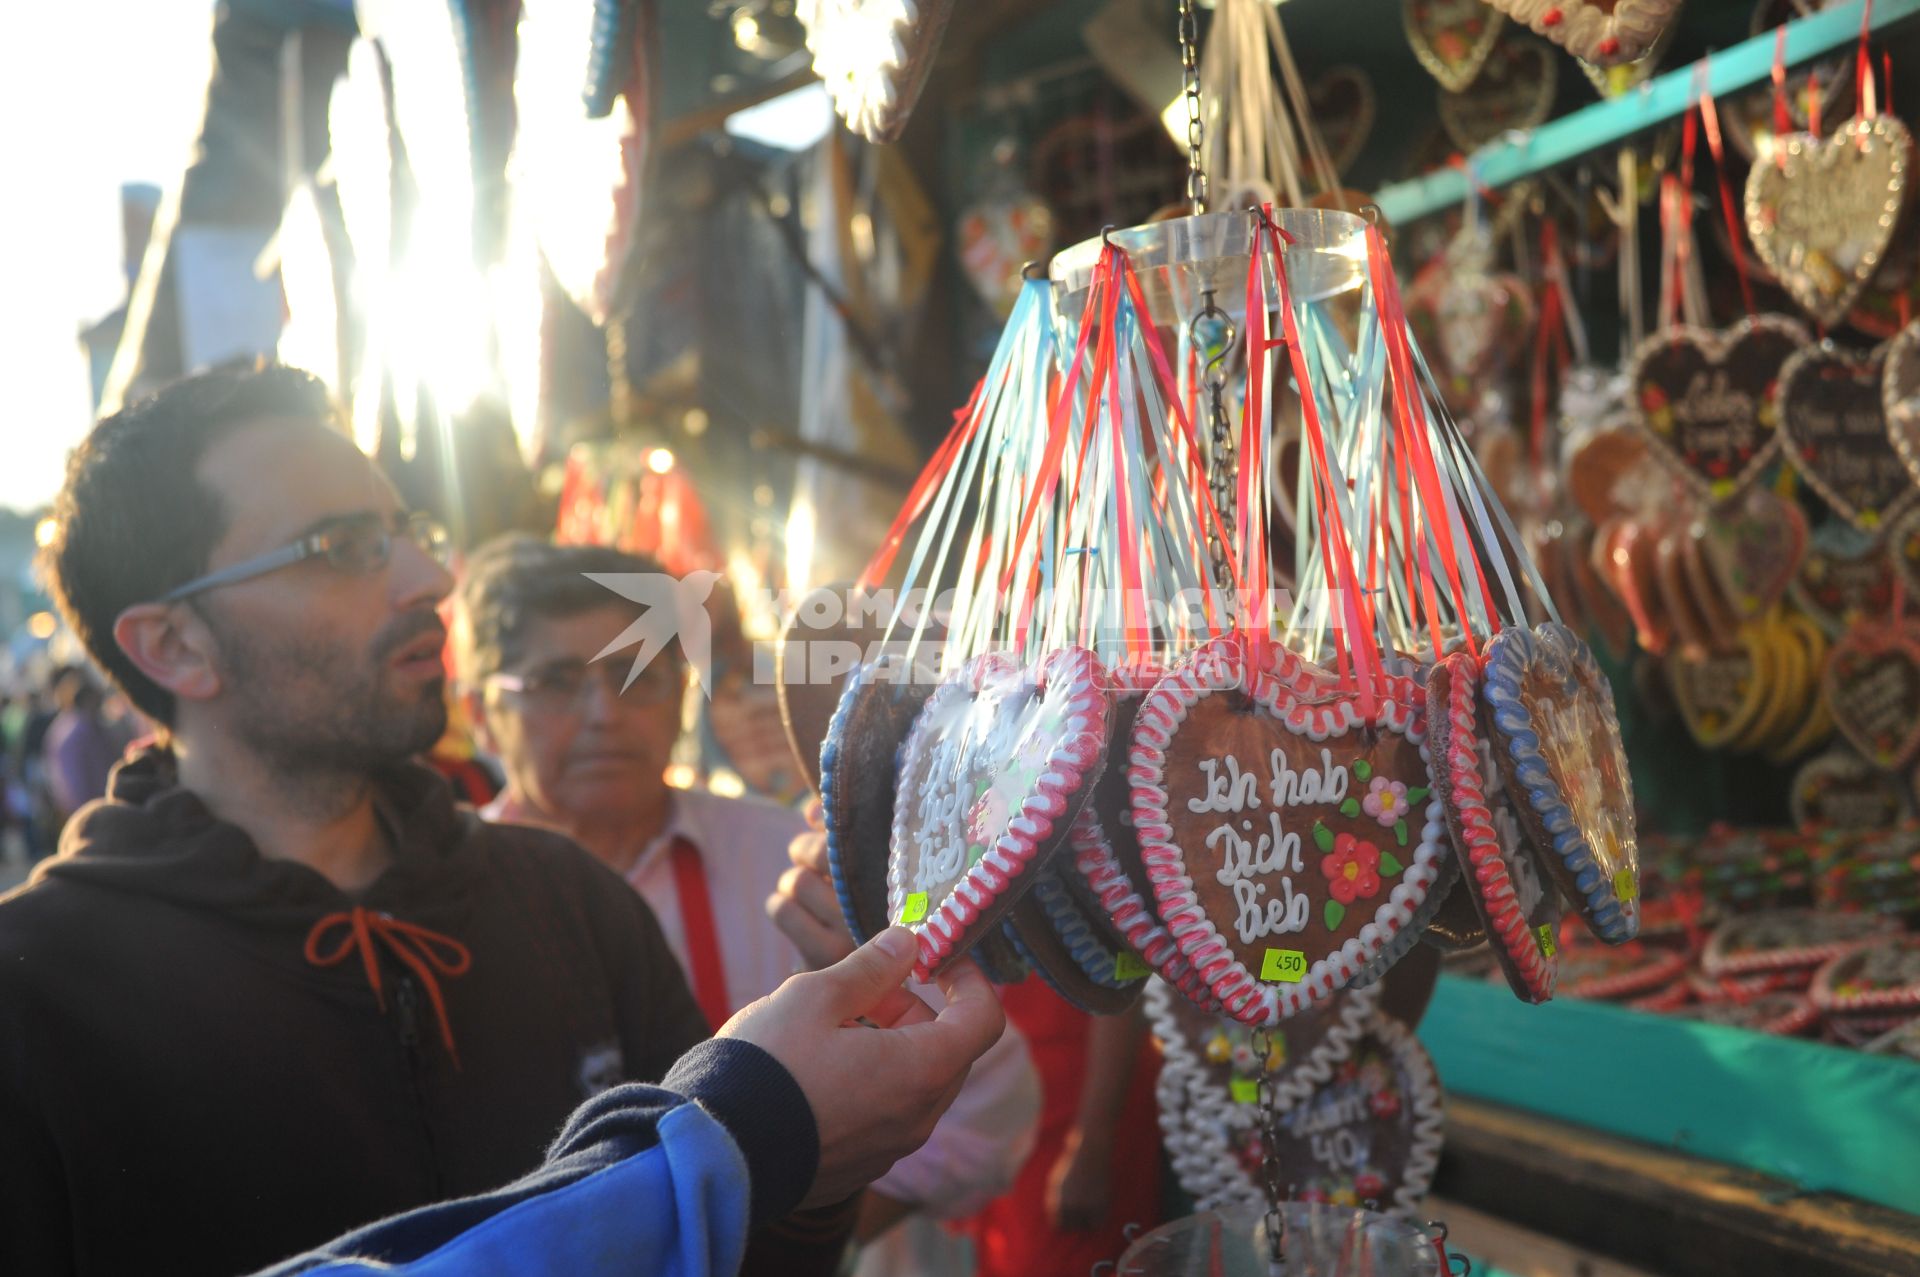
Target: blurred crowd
61	732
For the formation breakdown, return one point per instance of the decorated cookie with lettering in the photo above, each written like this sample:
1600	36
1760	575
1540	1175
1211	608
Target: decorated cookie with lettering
1720	694
1788	939
859	765
811	672
1872	686
1705	399
1289	834
1601	973
1372	1133
1503	877
994	772
874	57
1753	545
1835	430
1557	740
1875	978
1452	38
1844	574
1840	790
1514	90
1900	396
1068	947
1603	32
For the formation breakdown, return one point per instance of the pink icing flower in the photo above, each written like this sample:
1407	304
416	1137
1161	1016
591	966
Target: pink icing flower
987	819
1386	801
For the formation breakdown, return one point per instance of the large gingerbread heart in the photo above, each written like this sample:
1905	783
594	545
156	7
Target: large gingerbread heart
1210	1075
1719	694
1370	1135
1072	948
1872	686
1558	743
1900	396
1603	32
859	767
1452	38
1502	874
1289	840
1845	573
1343	106
1822	211
992	776
1705	399
1835	429
1840	790
1514	90
1753	546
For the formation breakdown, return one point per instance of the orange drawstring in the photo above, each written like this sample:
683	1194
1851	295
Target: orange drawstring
424	951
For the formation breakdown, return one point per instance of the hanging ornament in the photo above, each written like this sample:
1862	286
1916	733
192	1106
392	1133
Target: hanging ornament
1845	573
1834	424
1795	99
1343	108
1452	38
874	56
1605	34
1611	80
1514	91
1900	396
997	237
1872	687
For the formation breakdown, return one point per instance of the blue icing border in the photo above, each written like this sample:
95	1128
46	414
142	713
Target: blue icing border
1034	965
829	763
1094	957
1511	654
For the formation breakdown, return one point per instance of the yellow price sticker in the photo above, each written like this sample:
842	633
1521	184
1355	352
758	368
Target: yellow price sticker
1127	966
1626	886
1544	934
1285	966
1245	1090
915	910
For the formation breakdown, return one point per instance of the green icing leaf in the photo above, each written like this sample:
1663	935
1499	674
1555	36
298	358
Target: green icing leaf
1351	807
1334	913
1400	831
1416	795
1362	770
1389	865
1322	836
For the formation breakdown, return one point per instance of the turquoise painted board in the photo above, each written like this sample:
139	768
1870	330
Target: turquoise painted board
1824	1118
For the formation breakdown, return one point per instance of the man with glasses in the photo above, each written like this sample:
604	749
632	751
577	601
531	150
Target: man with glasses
277	985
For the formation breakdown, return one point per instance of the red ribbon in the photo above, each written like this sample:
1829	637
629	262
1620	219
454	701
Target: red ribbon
1710	117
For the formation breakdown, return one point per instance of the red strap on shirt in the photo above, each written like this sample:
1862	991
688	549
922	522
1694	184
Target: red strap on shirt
703	939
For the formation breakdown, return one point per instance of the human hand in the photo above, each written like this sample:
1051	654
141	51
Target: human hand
805	906
877	1066
1080	1185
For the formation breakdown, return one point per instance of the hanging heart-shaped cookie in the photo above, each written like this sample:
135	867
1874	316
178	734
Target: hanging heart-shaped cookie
1706	401
1900	395
1452	38
1753	545
1720	694
1071	947
1557	741
1607	620
1604	467
859	766
1822	211
997	237
1604	32
1617	79
1370	1135
1845	573
1840	790
1626	557
1514	90
1749	117
1502	874
1290	839
993	774
1209	1086
1903	550
1343	107
1872	686
1835	429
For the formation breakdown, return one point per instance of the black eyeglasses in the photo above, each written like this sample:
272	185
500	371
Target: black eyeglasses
356	544
564	684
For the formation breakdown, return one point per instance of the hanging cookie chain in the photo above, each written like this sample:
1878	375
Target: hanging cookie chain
1213	336
1263	1050
1190	84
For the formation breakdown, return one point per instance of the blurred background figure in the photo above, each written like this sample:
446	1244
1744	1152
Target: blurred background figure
81	744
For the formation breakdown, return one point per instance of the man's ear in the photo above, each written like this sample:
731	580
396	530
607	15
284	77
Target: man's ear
171	645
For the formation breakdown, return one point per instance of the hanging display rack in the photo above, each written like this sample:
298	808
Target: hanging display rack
1668	97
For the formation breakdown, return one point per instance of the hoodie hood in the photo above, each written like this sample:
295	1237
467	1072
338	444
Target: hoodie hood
151	837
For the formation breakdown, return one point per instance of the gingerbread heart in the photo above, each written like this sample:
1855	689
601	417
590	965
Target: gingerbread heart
1903	550
1900	396
1071	948
1840	790
1705	399
1749	117
1753	546
1787	940
1452	38
997	237
1514	90
874	57
1621	77
1603	32
1875	978
1372	1134
1210	1076
1872	686
1845	573
859	767
1604	467
1283	876
1719	693
993	774
1343	107
1502	875
1835	429
1557	740
1822	211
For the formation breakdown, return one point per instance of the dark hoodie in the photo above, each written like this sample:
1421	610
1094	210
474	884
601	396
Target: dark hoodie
182	1090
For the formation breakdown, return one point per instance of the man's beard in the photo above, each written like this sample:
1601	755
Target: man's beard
305	704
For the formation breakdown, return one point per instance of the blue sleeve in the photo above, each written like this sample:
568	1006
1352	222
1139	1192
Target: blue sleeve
644	1182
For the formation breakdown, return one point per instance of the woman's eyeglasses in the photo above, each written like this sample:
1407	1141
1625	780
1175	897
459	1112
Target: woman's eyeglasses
564	684
357	544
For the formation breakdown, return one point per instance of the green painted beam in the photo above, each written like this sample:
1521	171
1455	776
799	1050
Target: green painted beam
1663	98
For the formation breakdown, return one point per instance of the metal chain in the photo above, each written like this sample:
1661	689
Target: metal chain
1213	336
1276	1192
1190	83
